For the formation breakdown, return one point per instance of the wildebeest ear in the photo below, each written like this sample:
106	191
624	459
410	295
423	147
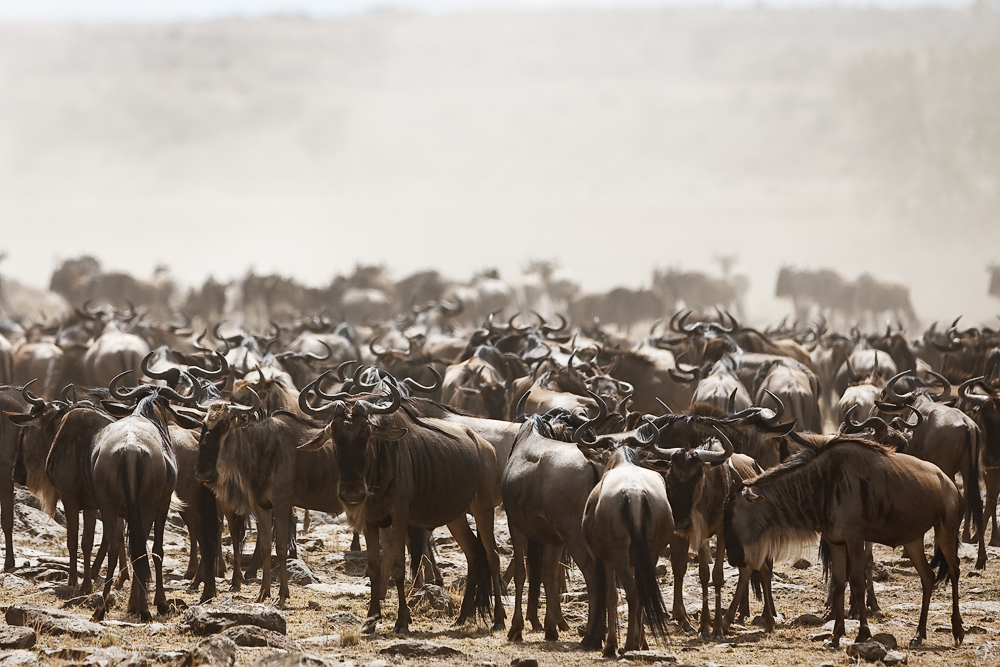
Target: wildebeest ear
185	421
317	441
20	419
388	432
116	409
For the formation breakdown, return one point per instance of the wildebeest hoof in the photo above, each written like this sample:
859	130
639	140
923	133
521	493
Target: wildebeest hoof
401	628
916	641
536	626
514	636
551	635
370	624
591	643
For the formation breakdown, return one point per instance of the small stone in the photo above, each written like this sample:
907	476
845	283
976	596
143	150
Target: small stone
420	650
820	637
299	573
894	658
19	658
314	606
973	573
748	637
217	651
431	598
344	619
485	663
524	662
291	659
975	630
16	636
377	663
321	641
942	629
649	657
51	621
868	651
169	658
251	635
808	620
661	570
209	619
887	640
12	582
802	564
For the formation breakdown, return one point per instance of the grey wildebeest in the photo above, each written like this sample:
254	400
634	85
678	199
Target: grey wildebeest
849	491
627	523
397	471
135	473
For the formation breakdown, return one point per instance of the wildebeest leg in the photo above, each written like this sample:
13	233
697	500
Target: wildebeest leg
89	522
742	588
872	602
856	564
160	599
554	621
124	566
237	531
592	570
356	542
282	532
704	558
7	517
264	544
838	567
992	476
517	565
718	580
109	517
194	573
72	540
466	540
374	573
947	543
623	571
611	601
915	552
483	511
394	565
678	564
208	535
535	558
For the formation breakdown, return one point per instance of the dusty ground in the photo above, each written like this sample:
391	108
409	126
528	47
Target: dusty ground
797	591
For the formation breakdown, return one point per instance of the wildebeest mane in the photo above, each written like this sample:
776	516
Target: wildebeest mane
146	407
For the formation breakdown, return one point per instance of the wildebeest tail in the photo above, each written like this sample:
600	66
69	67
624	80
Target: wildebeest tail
941	563
131	477
644	566
535	555
973	500
480	583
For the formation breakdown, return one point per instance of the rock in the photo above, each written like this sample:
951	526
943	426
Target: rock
820	637
217	651
987	651
299	573
420	650
661	570
887	640
344	619
315	606
973	573
524	662
648	656
292	659
16	636
748	637
251	635
37	523
973	630
171	658
321	641
894	658
342	589
802	564
19	659
431	598
485	663
51	621
808	620
377	663
868	651
12	582
207	619
942	629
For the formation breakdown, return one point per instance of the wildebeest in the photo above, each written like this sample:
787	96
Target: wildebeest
987	408
627	523
397	471
850	491
12	401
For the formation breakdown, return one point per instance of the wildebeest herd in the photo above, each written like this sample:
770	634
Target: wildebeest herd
705	437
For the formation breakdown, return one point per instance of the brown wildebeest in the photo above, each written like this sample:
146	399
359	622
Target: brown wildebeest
135	473
795	385
11	400
627	523
987	407
397	471
253	466
829	490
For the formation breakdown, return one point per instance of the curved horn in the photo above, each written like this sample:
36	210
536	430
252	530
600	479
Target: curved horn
32	400
779	405
519	410
241	409
118	393
967	395
342	369
371	346
855	378
712	457
385	408
579	435
665	407
171	375
900	424
68	392
731	403
945	385
683	319
314	386
890	389
429	389
205	374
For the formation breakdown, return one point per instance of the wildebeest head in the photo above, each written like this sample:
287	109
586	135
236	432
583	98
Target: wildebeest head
686	470
356	427
220	421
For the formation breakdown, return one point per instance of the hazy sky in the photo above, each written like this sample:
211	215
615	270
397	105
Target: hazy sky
160	10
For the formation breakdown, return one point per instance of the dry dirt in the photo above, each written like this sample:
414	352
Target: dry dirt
797	591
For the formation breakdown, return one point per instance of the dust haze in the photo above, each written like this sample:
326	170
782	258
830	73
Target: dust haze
618	141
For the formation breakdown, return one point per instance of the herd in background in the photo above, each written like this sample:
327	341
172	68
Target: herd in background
705	436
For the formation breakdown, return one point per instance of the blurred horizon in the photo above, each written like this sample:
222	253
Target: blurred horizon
620	140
